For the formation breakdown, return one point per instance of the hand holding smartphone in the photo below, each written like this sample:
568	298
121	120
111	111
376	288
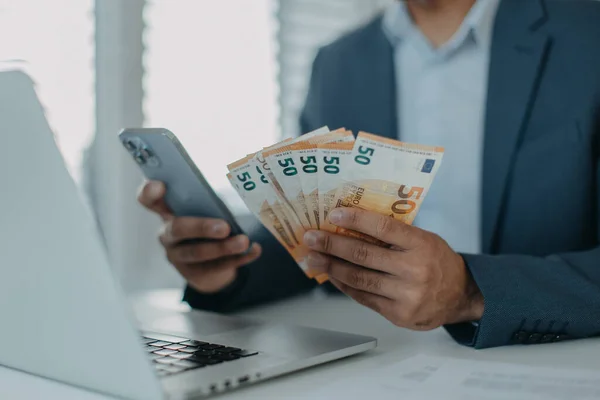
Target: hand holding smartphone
161	157
208	258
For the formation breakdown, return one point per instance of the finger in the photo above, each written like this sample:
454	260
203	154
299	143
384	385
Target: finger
193	271
208	277
151	195
190	253
186	228
354	276
382	227
379	304
353	250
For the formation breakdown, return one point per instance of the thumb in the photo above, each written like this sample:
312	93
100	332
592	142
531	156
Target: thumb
151	196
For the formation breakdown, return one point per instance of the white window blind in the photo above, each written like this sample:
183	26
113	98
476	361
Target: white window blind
211	79
303	27
53	41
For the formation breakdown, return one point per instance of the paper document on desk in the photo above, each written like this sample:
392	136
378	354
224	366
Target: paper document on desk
396	381
427	377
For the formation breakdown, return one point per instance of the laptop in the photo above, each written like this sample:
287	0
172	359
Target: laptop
64	317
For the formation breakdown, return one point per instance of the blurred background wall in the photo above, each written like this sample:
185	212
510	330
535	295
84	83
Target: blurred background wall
227	76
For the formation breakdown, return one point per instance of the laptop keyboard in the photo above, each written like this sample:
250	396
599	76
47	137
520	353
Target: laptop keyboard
172	355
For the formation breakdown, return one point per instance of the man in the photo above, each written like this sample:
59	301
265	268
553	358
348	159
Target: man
507	248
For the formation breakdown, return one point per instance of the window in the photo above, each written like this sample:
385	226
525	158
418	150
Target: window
53	41
211	79
304	26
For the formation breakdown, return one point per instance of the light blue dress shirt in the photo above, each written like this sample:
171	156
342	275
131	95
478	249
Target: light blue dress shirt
441	97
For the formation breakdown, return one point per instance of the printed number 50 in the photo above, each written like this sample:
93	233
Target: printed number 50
362	157
406	206
248	184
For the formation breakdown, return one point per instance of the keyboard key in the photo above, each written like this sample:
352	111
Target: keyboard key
166	360
165	352
228	350
211	346
188	364
226	356
160	344
204	360
174	347
148	340
150	349
193	343
205	353
155	356
246	353
163	338
196	359
180	355
189	349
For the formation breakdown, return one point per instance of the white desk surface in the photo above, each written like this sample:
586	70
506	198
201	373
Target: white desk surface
337	313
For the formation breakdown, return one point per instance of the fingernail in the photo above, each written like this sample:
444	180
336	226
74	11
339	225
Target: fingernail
317	261
336	215
239	244
311	238
256	247
219	228
154	189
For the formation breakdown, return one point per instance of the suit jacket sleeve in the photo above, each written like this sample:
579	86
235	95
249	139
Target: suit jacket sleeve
532	300
275	275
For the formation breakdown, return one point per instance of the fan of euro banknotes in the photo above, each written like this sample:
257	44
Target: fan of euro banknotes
291	186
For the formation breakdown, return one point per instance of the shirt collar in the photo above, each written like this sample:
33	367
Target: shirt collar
397	22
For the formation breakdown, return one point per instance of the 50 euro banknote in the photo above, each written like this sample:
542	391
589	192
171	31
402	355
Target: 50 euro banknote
245	177
271	189
388	177
286	167
305	155
334	163
251	179
271	177
261	201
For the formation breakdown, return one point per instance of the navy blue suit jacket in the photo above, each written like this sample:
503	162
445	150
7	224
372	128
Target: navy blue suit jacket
540	267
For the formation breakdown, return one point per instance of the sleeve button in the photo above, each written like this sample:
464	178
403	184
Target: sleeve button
520	337
534	338
561	337
548	338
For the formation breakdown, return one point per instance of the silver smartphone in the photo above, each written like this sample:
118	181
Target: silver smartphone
161	157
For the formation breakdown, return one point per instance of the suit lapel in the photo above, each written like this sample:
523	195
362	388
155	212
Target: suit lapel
518	57
377	84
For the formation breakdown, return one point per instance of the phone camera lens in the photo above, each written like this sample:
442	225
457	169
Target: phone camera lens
150	158
129	144
140	159
146	153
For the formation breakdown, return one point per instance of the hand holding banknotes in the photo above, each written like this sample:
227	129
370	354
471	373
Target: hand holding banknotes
343	208
207	266
418	283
